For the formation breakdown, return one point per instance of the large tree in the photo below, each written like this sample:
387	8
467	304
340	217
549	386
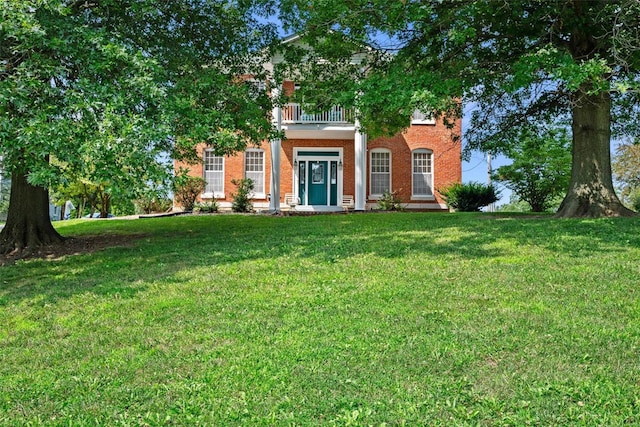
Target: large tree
78	77
514	61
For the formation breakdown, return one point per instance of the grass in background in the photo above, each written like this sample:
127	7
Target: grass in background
375	319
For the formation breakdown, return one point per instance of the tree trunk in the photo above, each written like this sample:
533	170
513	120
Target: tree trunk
105	204
28	224
591	192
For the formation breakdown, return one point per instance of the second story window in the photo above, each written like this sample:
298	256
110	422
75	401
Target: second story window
420	118
257	87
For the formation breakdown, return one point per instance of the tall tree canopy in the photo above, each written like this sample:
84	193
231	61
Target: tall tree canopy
517	61
125	79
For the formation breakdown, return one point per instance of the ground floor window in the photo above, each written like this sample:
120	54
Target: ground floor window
379	172
254	169
213	174
422	173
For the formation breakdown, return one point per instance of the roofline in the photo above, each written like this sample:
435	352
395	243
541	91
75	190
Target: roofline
291	38
297	36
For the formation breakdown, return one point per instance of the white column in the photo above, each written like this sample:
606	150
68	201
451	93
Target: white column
360	147
274	202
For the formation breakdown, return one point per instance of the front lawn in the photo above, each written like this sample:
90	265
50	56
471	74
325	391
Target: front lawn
359	319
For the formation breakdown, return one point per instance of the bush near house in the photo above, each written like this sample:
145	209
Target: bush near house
390	201
242	197
470	196
187	189
206	207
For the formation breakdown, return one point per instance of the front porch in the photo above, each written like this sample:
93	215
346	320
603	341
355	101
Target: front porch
318	166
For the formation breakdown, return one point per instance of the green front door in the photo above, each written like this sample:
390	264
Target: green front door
317	183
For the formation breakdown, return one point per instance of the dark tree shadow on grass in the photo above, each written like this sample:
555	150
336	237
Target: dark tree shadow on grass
180	244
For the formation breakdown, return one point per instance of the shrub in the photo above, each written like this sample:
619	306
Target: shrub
121	207
390	201
541	167
207	207
151	202
187	189
469	197
242	197
154	205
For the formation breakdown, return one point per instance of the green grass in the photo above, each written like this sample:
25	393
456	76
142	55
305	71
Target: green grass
338	320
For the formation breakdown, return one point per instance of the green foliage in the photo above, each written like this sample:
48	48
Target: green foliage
514	62
126	83
123	207
514	205
186	190
390	201
88	197
327	320
470	196
635	200
541	166
152	201
207	207
626	170
495	54
100	92
242	197
517	205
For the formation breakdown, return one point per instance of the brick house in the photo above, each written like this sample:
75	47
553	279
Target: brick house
325	163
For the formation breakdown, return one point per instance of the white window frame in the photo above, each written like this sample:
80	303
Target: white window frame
377	195
212	192
259	183
259	86
428	173
420	118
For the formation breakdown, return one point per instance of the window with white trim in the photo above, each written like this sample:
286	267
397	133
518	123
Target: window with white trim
213	174
379	172
422	171
254	169
420	118
257	87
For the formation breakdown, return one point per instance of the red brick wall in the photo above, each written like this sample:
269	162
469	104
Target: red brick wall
233	169
447	165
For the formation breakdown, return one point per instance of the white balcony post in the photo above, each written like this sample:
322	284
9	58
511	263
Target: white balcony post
274	202
360	147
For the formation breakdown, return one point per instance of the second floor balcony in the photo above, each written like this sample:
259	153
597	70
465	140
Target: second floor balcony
294	114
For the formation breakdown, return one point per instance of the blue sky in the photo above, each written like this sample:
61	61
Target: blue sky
477	169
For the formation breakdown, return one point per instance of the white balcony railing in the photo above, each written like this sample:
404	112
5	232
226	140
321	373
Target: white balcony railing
293	113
